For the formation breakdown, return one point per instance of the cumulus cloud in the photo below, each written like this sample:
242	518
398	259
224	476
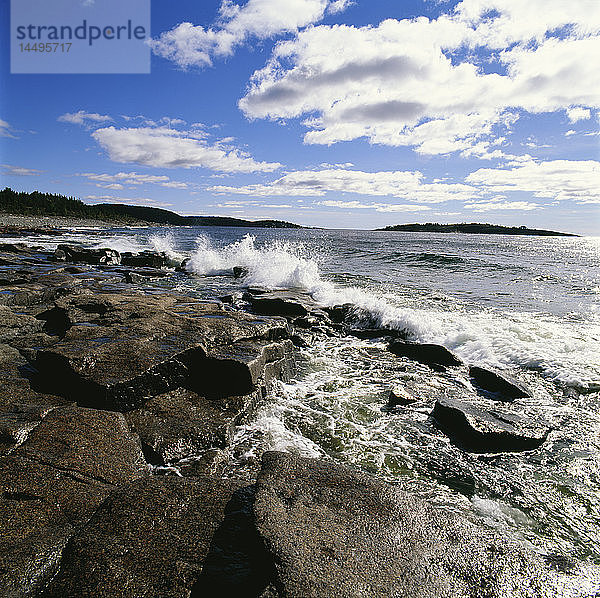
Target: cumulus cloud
8	169
169	148
575	180
411	83
576	113
118	180
193	45
84	118
316	183
497	206
378	207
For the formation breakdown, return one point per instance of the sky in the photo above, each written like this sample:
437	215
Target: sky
333	113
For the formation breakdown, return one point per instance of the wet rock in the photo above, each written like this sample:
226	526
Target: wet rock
183	267
150	538
150	259
13	324
72	253
340	313
52	483
428	354
399	397
505	388
240	271
368	333
121	350
16	423
181	424
477	430
333	532
276	306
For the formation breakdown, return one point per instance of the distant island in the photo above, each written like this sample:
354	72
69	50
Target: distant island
50	204
474	228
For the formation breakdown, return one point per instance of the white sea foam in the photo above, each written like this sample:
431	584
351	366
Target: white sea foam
566	351
165	243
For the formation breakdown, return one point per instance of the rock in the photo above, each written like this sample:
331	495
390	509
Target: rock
399	397
14	324
152	538
477	430
339	314
367	333
16	423
145	258
276	306
52	483
183	266
333	532
181	424
134	278
121	350
428	354
240	271
505	388
71	253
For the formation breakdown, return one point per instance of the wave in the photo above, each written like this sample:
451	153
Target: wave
564	351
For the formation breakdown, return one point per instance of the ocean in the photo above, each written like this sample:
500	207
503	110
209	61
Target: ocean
528	306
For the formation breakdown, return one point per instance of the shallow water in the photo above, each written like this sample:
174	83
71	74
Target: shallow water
527	305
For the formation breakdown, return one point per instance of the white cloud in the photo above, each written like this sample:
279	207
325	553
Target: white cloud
575	114
410	83
83	118
570	132
495	206
116	181
8	169
378	207
561	180
316	183
6	130
193	45
169	148
134	201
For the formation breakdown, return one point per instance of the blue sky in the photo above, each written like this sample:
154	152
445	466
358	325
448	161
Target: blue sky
332	113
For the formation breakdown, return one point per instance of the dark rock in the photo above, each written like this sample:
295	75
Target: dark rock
340	313
71	253
240	271
146	258
424	353
13	324
367	333
276	306
150	538
400	397
121	350
16	423
504	387
134	278
481	431
333	532
183	266
182	424
52	483
15	248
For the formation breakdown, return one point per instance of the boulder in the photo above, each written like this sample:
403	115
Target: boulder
339	314
333	531
181	424
501	386
151	538
150	259
426	353
276	306
478	430
72	253
240	271
120	350
14	324
399	397
368	333
52	483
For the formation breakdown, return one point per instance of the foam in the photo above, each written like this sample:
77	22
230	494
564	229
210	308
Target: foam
561	350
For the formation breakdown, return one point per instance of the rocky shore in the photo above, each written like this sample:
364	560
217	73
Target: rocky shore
117	409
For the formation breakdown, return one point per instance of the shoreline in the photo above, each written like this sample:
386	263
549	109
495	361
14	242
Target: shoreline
119	406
